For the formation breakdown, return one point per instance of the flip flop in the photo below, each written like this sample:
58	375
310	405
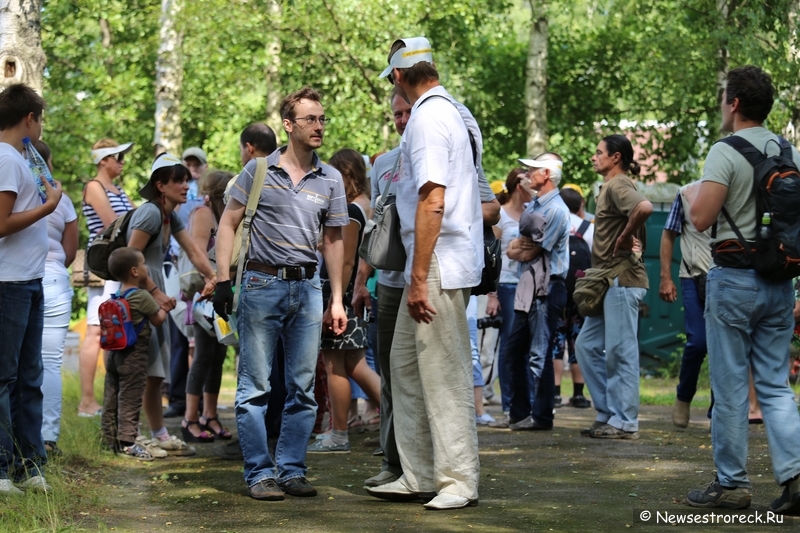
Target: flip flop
83	414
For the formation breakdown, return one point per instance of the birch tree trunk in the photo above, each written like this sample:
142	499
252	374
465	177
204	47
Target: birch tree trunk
536	81
272	79
22	58
793	128
723	11
169	81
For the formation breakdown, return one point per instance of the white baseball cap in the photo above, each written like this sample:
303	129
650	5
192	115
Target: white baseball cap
551	164
148	192
416	49
101	153
196	152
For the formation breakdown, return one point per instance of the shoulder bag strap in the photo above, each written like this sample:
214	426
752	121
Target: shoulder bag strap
250	211
622	266
582	229
385	194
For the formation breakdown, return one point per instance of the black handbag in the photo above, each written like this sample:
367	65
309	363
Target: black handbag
492	263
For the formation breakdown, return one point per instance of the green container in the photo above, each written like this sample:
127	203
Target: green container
660	322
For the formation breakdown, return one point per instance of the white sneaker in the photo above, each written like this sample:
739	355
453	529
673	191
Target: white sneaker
6	487
397	491
36	483
175	446
484	420
155	450
445	500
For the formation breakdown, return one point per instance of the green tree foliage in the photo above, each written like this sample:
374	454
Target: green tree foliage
652	63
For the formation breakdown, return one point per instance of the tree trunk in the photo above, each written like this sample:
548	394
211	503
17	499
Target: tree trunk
723	11
536	82
22	58
272	110
169	81
793	128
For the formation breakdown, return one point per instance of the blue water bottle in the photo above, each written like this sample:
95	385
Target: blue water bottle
38	168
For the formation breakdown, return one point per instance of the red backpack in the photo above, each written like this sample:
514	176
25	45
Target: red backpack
117	331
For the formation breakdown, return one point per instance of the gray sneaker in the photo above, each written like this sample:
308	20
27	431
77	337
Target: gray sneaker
6	487
715	495
595	425
320	447
607	431
35	484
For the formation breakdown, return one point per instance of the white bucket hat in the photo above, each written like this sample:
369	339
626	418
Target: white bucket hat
101	153
416	49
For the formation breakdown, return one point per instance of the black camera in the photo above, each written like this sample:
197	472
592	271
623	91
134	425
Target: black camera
490	322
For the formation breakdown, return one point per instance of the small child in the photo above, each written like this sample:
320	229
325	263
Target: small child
126	370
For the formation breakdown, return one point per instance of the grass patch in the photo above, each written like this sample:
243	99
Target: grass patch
74	478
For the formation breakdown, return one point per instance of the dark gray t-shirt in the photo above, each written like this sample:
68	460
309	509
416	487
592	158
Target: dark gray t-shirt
288	220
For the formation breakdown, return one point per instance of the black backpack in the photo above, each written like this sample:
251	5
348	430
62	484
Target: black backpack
113	237
776	186
580	256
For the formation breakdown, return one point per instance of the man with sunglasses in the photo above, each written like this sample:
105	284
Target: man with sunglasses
438	202
281	293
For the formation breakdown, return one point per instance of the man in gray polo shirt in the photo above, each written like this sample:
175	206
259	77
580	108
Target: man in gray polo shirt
281	294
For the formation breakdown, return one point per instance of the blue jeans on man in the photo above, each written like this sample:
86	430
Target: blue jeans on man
749	325
21	374
505	294
608	351
696	348
269	309
528	357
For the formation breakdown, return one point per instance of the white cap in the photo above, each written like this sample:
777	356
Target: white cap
416	49
551	164
167	160
101	153
196	152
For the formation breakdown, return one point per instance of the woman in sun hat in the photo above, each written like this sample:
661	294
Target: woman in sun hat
150	229
103	202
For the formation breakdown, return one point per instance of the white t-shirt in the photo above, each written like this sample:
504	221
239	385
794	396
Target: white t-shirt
575	222
436	148
379	176
510	231
22	254
56	222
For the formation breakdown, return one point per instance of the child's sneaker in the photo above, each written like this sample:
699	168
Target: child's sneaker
154	450
137	451
35	484
175	446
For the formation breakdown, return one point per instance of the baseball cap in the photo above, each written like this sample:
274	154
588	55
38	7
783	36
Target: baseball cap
101	153
416	49
196	152
148	192
575	187
551	164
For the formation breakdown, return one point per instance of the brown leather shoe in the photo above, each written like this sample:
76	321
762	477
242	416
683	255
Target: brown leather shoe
268	490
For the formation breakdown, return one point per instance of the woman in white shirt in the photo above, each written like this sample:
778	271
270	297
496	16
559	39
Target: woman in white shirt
516	193
62	233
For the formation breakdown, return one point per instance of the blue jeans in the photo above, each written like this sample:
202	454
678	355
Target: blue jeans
514	356
749	326
505	294
608	351
272	309
21	375
472	324
695	350
544	393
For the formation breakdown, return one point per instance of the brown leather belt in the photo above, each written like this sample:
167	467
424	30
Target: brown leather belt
283	272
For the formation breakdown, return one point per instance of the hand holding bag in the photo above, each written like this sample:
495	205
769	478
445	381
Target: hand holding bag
590	290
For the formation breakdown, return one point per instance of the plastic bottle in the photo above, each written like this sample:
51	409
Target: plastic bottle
765	232
38	168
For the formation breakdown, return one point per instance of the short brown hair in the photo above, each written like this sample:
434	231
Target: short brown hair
43	149
17	101
122	260
290	102
354	172
418	73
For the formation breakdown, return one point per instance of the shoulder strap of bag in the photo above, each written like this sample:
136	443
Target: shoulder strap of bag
249	212
622	266
385	194
582	229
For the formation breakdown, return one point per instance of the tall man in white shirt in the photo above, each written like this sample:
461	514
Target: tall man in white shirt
438	203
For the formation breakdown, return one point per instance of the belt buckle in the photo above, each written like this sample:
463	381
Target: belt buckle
291	273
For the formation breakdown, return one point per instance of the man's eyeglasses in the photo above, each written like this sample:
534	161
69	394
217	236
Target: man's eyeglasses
311	119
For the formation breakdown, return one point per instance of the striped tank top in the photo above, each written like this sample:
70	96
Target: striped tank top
119	204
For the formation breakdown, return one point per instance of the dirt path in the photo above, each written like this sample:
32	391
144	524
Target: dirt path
530	481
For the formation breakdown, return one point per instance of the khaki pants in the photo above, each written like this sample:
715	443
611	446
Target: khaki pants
434	409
